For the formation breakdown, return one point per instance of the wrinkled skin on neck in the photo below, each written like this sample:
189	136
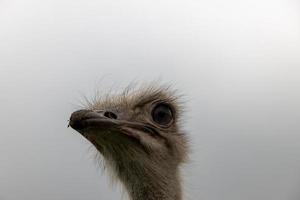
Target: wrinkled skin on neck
146	175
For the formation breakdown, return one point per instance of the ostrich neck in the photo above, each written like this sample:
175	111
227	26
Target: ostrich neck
148	184
151	187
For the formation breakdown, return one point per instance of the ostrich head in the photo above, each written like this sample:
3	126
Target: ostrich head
138	134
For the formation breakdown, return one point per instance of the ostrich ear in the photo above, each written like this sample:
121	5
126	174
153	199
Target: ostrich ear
145	139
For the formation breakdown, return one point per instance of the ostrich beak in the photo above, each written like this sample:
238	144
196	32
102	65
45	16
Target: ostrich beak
83	119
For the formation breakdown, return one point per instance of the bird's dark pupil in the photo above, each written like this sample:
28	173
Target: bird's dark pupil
162	114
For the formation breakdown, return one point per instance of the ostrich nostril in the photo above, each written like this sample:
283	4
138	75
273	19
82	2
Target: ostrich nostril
110	115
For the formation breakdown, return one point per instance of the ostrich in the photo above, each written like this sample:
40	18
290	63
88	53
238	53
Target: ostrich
139	136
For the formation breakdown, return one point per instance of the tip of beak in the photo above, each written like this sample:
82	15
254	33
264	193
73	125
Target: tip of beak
75	120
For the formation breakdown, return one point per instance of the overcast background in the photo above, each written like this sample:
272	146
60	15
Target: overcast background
237	62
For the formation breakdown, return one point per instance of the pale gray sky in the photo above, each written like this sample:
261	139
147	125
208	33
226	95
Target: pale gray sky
237	62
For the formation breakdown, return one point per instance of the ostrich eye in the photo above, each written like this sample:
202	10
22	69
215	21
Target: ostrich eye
162	114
